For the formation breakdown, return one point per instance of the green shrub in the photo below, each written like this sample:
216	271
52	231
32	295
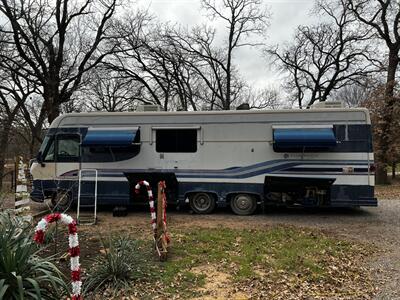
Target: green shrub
23	273
123	260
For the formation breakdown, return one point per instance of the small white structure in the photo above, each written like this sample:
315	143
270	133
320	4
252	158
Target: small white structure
22	198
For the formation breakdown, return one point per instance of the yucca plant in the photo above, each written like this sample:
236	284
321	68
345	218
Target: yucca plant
23	273
121	262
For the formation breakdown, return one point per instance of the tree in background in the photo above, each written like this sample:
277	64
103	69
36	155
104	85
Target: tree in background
383	18
107	91
355	95
14	93
58	43
243	19
325	57
376	103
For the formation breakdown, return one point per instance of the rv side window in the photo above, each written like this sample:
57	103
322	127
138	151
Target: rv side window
176	140
68	148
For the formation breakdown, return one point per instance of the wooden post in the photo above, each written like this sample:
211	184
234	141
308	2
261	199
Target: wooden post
160	223
161	234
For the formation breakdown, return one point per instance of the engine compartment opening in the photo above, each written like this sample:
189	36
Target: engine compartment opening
292	191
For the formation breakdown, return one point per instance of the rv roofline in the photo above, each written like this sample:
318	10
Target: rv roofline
59	119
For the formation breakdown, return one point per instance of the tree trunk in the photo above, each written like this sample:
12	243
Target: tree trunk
391	75
381	174
384	138
3	149
51	101
394	170
53	112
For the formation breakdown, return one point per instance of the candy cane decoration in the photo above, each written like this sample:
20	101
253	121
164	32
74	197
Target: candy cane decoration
73	247
151	202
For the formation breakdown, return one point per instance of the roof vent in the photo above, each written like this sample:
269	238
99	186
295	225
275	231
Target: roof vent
148	107
328	104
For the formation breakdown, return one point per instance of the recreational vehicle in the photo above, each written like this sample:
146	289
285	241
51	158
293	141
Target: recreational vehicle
315	157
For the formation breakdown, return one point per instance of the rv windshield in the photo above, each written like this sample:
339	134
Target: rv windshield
44	144
46	150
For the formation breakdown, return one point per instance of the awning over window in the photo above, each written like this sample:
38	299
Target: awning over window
295	138
111	137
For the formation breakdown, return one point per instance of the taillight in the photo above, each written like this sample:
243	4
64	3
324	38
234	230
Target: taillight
372	168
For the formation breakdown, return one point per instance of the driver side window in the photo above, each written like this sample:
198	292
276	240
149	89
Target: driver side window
68	149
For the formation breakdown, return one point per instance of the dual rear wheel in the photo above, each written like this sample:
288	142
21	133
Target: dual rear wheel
241	204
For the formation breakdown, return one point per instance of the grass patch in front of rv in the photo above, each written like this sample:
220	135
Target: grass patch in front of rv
221	262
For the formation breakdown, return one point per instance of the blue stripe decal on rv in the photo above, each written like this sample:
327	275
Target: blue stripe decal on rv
275	167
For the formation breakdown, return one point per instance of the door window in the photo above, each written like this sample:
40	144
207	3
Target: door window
68	149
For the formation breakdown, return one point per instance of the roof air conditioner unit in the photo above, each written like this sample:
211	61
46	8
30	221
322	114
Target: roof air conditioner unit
148	107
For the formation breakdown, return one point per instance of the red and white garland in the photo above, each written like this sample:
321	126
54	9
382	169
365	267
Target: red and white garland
74	250
151	202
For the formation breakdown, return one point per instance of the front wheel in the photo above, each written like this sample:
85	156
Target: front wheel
202	203
243	204
61	201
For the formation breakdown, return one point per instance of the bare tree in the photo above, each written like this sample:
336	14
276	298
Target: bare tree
58	42
243	18
213	62
383	17
325	57
148	58
14	92
266	98
356	94
107	91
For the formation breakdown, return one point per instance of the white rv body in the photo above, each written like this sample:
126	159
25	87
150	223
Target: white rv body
234	152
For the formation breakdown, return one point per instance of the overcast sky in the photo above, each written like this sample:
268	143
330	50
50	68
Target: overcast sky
256	70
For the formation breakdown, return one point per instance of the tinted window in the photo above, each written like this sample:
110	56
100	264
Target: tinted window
109	154
68	148
176	140
47	149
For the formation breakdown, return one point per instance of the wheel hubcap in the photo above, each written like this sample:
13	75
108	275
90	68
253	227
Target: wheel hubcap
243	203
202	202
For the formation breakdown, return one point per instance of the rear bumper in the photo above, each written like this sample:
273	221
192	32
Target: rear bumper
355	203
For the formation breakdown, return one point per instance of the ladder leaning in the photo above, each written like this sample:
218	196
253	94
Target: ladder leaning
87	219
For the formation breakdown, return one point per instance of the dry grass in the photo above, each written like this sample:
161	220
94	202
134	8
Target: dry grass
389	192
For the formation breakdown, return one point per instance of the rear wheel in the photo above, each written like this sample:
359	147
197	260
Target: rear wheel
243	204
202	203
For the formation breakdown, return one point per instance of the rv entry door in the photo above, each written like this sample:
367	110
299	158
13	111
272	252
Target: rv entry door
67	150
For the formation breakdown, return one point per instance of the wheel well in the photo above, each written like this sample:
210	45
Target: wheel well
63	191
230	196
213	194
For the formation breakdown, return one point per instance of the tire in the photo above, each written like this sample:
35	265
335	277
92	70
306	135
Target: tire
202	203
243	204
61	201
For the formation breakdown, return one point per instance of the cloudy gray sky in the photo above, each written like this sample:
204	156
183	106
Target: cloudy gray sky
256	69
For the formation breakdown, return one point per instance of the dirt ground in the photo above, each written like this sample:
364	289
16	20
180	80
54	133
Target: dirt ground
379	226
